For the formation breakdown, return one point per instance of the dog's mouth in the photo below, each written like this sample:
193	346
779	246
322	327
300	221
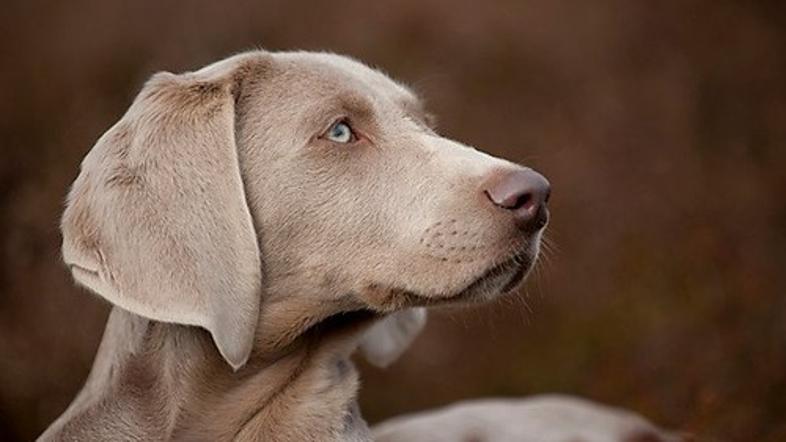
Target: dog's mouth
496	280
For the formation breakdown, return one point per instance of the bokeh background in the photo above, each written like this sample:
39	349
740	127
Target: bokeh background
662	126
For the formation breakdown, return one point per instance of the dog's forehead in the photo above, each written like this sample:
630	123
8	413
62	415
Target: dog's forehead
342	72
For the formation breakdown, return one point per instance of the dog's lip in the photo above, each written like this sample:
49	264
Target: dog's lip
517	266
516	279
497	279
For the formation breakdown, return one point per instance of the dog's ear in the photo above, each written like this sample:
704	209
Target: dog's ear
157	221
386	340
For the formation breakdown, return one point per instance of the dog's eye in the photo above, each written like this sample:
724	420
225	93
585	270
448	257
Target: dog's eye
340	132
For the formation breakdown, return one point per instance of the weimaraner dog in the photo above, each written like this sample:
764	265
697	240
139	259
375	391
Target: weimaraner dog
258	220
547	418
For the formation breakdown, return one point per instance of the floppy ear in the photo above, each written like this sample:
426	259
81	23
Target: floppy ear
157	221
386	340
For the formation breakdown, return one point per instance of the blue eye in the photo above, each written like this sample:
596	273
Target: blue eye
340	132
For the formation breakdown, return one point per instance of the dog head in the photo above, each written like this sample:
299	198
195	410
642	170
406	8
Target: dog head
269	191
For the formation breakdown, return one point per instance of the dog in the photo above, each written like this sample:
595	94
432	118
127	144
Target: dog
255	222
544	418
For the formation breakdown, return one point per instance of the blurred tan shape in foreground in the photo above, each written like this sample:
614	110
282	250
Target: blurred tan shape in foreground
546	418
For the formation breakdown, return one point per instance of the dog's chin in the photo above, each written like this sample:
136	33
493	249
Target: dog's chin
499	279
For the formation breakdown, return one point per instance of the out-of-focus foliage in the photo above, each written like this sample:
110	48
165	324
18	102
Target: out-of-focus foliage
662	126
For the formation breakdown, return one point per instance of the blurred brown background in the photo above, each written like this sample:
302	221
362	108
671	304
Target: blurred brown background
662	126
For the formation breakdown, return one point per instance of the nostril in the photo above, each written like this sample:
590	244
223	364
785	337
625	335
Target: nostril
523	200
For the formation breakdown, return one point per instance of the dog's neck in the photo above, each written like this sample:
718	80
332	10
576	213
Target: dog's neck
156	381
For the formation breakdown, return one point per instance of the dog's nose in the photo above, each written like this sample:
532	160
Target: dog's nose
523	192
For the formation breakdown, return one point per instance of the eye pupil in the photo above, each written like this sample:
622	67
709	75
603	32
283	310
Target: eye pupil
340	133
